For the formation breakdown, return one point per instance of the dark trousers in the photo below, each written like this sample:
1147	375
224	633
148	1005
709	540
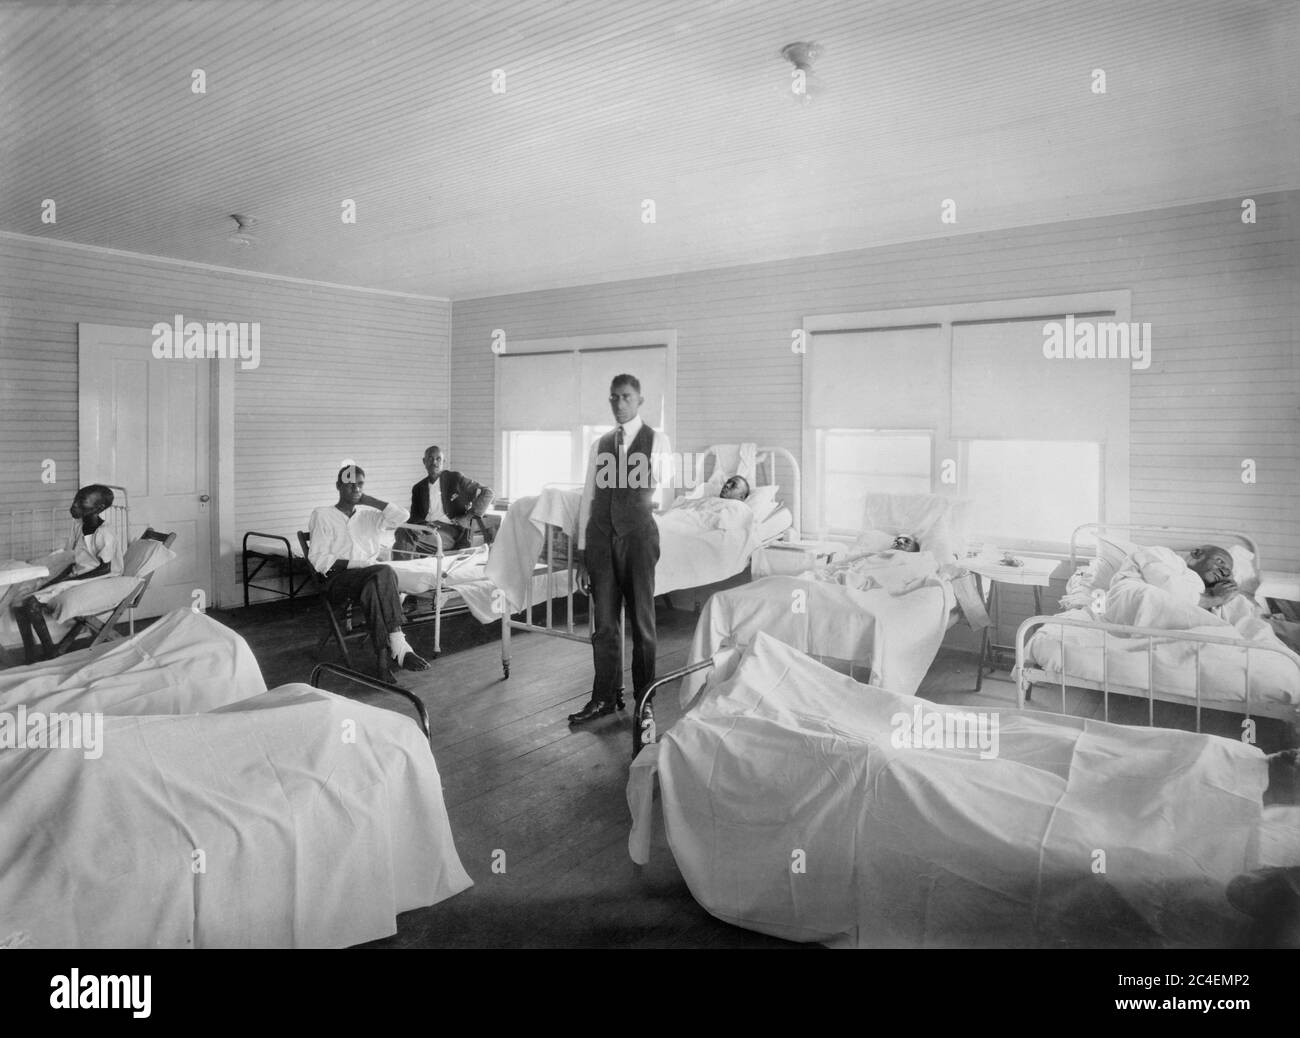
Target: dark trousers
426	541
30	618
374	589
622	570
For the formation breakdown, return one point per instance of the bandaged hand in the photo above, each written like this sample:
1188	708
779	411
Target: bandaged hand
1219	594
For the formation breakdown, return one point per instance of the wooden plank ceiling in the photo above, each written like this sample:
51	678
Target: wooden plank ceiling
462	192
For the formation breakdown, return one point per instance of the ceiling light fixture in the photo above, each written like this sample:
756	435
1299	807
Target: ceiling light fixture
243	235
804	85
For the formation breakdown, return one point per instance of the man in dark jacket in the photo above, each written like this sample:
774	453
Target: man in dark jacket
447	504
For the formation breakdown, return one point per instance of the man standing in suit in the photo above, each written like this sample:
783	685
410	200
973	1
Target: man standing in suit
447	503
618	546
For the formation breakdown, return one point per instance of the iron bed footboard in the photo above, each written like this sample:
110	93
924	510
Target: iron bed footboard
375	685
1027	674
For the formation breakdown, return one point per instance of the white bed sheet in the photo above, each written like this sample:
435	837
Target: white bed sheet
784	760
306	839
1222	668
182	663
898	635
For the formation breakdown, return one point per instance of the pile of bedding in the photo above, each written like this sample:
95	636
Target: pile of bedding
793	808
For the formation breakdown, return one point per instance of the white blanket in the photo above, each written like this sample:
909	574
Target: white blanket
183	663
318	819
790	810
257	825
898	635
1153	590
698	545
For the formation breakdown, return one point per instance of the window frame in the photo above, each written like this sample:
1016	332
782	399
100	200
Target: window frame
1115	460
574	345
822	480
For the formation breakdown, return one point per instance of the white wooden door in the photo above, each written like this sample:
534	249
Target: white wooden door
144	425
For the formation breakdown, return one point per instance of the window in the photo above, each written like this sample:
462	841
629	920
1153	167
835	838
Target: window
552	401
1032	493
978	406
855	462
534	459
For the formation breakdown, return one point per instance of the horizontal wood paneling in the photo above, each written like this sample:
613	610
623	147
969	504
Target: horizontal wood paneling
343	374
1221	298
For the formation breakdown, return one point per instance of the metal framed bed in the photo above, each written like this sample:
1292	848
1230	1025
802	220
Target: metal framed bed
1027	674
522	619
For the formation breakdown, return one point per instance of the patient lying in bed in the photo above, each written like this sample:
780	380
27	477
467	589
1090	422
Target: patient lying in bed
899	568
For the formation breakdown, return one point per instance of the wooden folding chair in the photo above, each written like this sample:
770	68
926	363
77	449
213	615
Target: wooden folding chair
103	626
342	629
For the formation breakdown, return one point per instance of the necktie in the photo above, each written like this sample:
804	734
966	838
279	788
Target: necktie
618	440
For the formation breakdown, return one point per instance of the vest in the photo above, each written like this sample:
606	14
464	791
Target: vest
620	508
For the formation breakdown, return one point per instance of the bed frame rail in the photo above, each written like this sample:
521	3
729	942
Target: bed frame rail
375	685
1027	675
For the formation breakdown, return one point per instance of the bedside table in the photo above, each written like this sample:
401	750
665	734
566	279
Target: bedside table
1035	573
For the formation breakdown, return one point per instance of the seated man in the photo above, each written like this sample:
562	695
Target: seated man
345	547
92	551
447	503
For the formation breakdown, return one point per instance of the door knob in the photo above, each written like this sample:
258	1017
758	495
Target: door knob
204	498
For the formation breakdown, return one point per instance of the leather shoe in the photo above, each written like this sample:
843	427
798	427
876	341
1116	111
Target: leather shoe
595	708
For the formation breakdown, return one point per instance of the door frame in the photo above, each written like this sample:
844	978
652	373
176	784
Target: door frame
221	463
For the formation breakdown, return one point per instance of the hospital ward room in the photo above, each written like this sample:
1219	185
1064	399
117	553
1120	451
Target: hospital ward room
676	475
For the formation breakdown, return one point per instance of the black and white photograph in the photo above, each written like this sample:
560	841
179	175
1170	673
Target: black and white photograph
601	475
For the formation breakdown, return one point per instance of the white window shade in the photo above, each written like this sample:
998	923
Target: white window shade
890	378
597	369
1004	388
535	391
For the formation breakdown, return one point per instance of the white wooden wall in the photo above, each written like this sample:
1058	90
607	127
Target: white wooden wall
343	373
1221	297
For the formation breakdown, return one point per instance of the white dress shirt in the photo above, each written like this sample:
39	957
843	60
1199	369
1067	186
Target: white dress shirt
437	514
661	472
358	539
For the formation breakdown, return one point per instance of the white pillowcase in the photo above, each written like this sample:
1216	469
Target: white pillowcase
937	521
145	556
762	500
1112	553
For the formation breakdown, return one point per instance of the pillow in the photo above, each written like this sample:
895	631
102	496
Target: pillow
144	556
762	500
74	598
939	522
1243	569
1112	553
873	541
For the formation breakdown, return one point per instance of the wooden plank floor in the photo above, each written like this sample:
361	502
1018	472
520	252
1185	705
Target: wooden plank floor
549	801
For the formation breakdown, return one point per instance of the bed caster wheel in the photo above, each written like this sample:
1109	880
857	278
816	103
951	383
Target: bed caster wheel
435	655
505	671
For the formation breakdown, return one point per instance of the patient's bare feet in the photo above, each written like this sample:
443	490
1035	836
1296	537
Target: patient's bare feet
1283	778
411	661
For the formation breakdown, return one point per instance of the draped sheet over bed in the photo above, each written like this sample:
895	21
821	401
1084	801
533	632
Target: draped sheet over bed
219	814
182	663
899	634
790	811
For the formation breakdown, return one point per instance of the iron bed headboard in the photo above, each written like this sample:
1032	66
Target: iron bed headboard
767	456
